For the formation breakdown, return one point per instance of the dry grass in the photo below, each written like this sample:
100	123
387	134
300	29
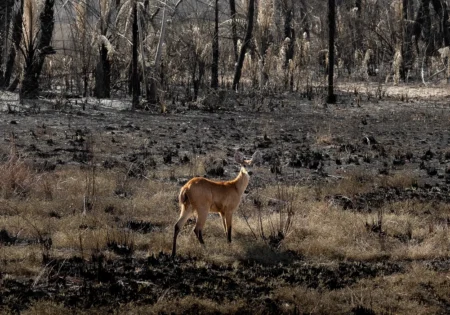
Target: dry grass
52	204
419	291
356	182
16	178
271	222
325	137
402	179
330	232
287	218
351	184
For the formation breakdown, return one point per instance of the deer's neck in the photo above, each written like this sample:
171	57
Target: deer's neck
241	182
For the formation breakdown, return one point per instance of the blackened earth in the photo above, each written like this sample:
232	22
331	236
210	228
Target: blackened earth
301	142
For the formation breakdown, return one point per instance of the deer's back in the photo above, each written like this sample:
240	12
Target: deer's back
204	192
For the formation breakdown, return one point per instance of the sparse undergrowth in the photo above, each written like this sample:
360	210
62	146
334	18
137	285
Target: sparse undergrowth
329	226
43	232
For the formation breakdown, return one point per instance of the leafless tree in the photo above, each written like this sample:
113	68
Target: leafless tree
6	10
215	49
273	44
134	76
234	35
154	84
107	10
331	34
36	45
245	44
16	38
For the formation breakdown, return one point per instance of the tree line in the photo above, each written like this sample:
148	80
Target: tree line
150	50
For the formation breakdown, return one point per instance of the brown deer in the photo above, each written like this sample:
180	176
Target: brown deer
200	196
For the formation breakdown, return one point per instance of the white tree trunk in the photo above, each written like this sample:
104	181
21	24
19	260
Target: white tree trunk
161	40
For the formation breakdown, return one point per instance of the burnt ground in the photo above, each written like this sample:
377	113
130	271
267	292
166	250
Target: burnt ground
101	283
302	142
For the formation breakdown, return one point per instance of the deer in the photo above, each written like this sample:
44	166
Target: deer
201	196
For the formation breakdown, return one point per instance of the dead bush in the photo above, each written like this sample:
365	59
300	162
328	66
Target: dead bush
16	178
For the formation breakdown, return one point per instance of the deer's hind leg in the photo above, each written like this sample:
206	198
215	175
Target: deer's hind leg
202	214
228	219
186	212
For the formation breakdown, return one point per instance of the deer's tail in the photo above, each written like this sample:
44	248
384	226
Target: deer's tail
183	198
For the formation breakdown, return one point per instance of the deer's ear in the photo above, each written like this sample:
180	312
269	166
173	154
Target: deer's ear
238	157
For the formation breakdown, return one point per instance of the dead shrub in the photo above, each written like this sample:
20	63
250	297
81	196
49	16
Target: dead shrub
399	180
275	223
121	242
356	182
16	178
44	186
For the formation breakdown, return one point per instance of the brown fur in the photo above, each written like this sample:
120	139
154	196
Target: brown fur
201	196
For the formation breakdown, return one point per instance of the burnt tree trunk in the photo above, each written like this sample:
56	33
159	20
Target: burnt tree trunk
444	24
130	81
197	78
358	27
234	36
303	14
152	95
331	33
422	26
289	32
103	74
16	34
246	43
36	58
134	73
407	33
215	49
6	9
